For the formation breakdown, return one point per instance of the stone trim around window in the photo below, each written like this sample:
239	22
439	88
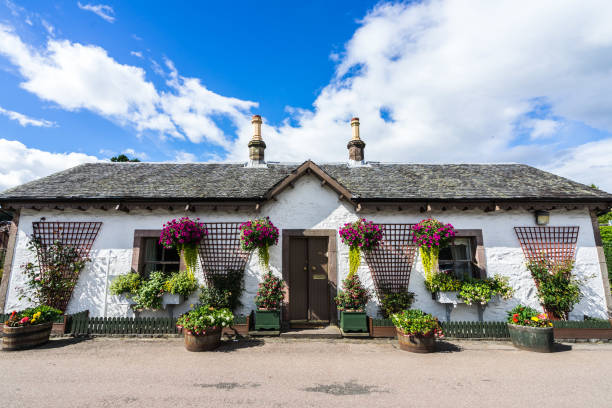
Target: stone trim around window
478	252
137	254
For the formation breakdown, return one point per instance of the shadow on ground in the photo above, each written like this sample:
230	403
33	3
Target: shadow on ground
232	345
64	341
559	347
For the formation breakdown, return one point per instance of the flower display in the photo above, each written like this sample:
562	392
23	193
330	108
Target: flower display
259	234
32	316
203	319
184	235
353	296
527	316
270	292
359	236
430	236
415	322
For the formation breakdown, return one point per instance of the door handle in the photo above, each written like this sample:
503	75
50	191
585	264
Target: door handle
305	268
314	268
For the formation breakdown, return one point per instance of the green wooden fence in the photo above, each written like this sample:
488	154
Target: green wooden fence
582	324
122	325
475	330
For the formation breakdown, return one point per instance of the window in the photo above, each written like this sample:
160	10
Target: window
149	256
466	255
157	258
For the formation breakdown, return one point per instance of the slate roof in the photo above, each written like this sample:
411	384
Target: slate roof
377	181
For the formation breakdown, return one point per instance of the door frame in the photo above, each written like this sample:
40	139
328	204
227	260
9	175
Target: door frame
332	275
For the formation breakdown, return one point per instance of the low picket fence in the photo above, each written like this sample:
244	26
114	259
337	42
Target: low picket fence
475	330
122	325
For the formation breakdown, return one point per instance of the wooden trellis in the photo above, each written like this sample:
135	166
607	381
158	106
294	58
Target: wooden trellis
554	244
391	262
220	250
78	235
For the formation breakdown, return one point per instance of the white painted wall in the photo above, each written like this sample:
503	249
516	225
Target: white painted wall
310	206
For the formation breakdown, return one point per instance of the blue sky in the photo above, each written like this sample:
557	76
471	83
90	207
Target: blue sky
431	81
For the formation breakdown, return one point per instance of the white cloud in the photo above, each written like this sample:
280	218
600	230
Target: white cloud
26	120
448	81
587	163
77	76
102	10
21	164
134	154
136	54
185	157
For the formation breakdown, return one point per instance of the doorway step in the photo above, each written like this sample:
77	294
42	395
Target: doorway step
328	332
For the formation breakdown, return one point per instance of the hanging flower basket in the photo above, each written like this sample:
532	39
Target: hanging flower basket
259	234
359	236
430	236
184	234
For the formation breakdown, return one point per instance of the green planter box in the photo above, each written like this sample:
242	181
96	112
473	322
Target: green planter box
355	322
538	339
267	320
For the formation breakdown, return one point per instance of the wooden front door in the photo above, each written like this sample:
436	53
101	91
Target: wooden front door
308	279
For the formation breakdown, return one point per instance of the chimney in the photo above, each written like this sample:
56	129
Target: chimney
356	145
256	145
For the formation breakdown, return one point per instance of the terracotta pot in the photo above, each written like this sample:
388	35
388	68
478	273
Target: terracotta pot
416	343
20	338
203	342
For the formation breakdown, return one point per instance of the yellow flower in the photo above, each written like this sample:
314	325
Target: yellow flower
535	319
550	324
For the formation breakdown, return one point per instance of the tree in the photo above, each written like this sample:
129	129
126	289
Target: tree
123	158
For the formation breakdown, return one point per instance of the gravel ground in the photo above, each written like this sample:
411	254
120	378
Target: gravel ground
105	372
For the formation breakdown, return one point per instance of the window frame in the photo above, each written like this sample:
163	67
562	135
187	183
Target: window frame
138	254
477	247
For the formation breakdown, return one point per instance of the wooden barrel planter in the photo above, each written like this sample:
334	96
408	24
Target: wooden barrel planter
25	337
416	344
539	339
203	342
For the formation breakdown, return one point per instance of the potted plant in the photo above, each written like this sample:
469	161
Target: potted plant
483	291
29	328
268	300
390	303
558	290
202	327
430	236
150	292
359	236
445	287
224	290
178	287
530	330
351	302
417	331
184	235
259	234
126	285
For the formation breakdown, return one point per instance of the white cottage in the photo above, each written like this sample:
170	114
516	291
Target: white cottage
494	207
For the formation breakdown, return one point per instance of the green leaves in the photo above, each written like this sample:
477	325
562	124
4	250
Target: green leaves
125	284
416	322
395	302
558	290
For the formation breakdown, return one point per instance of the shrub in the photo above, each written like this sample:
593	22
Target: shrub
417	323
391	303
558	290
204	318
228	286
353	296
32	316
214	297
181	283
526	316
150	292
270	292
125	284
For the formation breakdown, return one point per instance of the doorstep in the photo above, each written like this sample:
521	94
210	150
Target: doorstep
328	332
354	334
262	333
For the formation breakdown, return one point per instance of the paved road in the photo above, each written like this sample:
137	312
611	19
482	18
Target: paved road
290	373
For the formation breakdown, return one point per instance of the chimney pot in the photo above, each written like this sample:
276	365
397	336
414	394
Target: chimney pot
356	146
256	144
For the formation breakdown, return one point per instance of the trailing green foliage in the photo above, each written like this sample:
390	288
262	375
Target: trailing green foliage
150	292
444	281
125	284
558	290
181	283
603	219
416	322
391	303
482	290
214	297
